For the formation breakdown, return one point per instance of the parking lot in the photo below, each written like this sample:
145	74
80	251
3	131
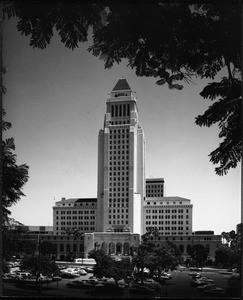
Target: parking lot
178	286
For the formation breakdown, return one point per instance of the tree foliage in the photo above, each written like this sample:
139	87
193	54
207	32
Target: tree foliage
172	42
165	257
44	264
37	19
16	241
110	268
231	238
14	176
227	257
48	248
156	258
198	254
74	231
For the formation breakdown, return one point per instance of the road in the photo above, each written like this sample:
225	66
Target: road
178	286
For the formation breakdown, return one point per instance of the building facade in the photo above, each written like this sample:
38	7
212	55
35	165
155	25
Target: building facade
121	174
127	205
185	242
169	215
77	213
155	188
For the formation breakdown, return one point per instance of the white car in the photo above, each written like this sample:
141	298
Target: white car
166	275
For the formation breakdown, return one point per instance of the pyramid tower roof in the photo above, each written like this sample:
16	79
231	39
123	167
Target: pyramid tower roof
121	85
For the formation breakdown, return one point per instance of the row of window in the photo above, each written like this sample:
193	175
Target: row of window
118	205
114	142
168	222
118	157
123	152
154	186
113	216
118	194
120	181
85	229
167	227
122	136
119	131
119	174
119	168
118	200
76	218
114	163
75	204
77	223
118	210
164	217
121	110
154	195
75	212
120	122
118	222
160	203
68	248
119	147
123	189
167	211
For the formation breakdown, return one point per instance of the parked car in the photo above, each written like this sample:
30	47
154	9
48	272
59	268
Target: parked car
81	284
70	273
214	291
141	289
153	285
205	287
10	277
23	275
195	275
108	289
88	269
82	272
166	274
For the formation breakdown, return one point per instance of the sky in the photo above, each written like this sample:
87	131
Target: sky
56	101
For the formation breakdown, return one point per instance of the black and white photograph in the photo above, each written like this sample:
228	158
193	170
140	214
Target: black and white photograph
121	149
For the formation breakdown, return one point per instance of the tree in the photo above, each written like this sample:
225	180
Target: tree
198	254
107	267
164	257
188	41
16	240
227	257
141	257
36	265
48	248
177	42
231	239
14	176
74	231
229	254
152	234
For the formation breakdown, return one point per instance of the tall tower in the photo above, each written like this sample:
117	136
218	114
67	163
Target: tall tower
121	157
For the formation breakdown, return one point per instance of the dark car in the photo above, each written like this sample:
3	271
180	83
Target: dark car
79	284
141	289
108	289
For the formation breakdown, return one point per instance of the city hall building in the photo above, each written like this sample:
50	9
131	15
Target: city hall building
127	204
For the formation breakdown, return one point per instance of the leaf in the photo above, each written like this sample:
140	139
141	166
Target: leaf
176	86
161	81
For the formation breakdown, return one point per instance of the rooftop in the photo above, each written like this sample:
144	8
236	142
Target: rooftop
121	85
77	200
